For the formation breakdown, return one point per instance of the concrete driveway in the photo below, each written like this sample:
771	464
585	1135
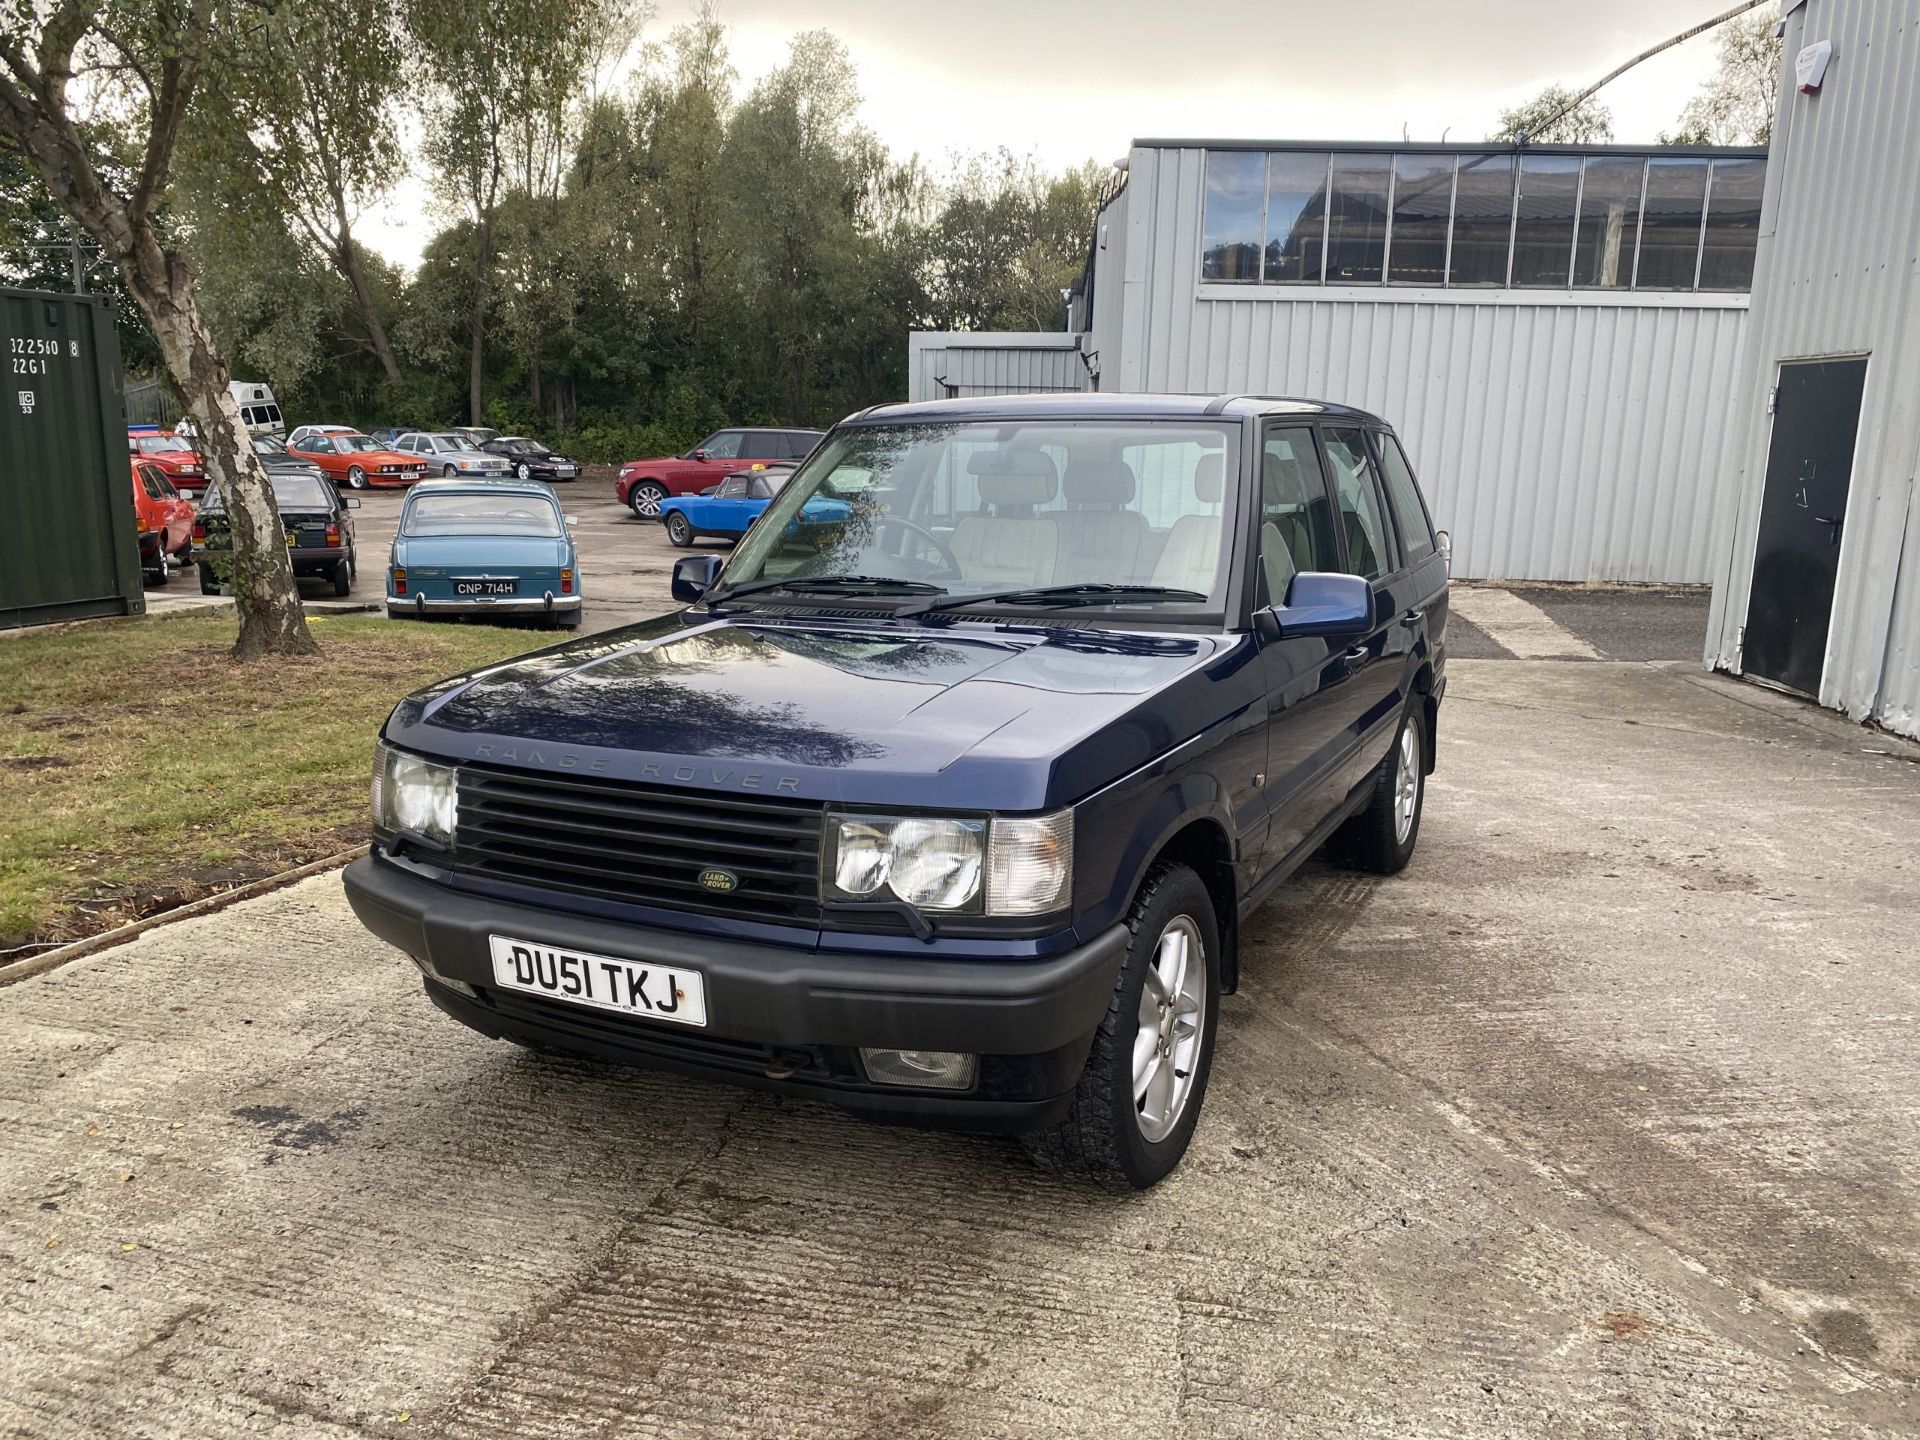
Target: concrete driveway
1600	1120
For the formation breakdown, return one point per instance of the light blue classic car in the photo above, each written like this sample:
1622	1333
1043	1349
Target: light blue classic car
485	548
736	502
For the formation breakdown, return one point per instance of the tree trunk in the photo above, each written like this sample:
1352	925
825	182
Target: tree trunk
363	297
262	583
533	376
477	354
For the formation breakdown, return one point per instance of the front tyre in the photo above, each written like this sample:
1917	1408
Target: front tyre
1381	837
356	478
1139	1098
645	499
679	531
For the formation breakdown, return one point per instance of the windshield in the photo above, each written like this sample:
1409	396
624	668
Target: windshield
162	444
290	492
455	442
973	508
262	445
469	514
356	444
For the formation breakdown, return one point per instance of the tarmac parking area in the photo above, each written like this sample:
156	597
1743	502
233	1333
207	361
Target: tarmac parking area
1599	1120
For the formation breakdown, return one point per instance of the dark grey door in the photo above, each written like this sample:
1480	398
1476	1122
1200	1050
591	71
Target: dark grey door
1809	467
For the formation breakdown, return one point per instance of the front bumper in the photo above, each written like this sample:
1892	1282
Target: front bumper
779	1018
545	604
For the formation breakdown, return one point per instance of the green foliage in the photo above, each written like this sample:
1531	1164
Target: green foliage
1735	105
1546	120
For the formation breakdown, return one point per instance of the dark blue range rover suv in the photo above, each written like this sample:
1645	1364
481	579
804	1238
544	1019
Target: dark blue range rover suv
951	811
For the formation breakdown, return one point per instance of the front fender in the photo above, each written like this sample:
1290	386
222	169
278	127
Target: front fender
1121	832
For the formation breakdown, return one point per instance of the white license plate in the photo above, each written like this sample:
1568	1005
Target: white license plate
627	987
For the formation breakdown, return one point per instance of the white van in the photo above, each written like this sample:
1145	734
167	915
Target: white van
258	407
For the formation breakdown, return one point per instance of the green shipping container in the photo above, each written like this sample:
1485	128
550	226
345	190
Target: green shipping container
67	544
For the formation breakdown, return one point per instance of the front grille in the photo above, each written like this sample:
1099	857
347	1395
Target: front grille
640	844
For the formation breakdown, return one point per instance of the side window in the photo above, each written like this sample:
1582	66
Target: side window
800	443
160	486
1296	517
759	445
1356	491
150	483
404	443
271	414
319	444
723	446
759	489
1416	533
734	487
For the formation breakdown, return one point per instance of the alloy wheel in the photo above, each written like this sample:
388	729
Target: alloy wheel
1406	785
356	478
1173	1015
646	501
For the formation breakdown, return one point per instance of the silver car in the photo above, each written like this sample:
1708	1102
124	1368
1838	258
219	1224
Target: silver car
451	455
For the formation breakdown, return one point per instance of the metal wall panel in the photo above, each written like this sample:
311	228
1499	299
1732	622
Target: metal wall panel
1838	273
944	365
1559	435
67	547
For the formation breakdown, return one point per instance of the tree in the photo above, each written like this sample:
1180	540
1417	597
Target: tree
500	68
1007	240
140	67
1547	120
1735	105
309	93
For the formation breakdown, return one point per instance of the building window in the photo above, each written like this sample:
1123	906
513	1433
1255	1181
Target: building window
1296	216
1422	203
1525	219
1236	215
1603	250
1357	219
1670	224
1482	221
1543	221
1733	224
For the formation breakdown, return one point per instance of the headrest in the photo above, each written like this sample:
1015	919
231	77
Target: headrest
1209	479
1099	482
1014	477
1031	487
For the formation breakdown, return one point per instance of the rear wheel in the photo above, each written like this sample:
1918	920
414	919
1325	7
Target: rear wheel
1138	1100
1382	836
342	577
679	531
645	499
525	471
161	571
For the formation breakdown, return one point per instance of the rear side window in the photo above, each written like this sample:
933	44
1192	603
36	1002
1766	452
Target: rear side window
760	445
1362	514
800	443
1416	533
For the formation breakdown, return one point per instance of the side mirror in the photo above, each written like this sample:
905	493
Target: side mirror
353	502
1443	541
697	455
693	576
1336	606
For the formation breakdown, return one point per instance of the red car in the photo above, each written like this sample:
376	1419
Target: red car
163	519
174	454
355	461
643	484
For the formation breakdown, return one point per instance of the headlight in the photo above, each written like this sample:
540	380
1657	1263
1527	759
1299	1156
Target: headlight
413	795
999	866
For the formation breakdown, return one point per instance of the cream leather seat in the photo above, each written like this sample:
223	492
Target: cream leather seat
1010	545
1192	557
1099	539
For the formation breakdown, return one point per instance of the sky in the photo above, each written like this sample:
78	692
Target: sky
1068	80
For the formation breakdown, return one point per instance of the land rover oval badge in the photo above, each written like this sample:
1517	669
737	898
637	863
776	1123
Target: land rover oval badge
720	880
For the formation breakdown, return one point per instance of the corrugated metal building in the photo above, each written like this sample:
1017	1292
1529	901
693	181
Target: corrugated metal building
1555	331
1818	589
944	365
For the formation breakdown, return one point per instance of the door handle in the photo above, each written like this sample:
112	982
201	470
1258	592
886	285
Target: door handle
1833	524
1359	655
1412	617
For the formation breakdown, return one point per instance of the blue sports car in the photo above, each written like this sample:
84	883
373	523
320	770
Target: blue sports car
736	502
484	547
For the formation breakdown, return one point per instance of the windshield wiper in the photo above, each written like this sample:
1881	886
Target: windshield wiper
1088	594
829	583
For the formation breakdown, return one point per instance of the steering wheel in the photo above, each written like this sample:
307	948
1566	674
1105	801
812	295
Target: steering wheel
949	565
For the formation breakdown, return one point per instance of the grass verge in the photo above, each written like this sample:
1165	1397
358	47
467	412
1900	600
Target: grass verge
141	767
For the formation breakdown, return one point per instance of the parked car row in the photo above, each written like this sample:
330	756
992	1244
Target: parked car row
643	484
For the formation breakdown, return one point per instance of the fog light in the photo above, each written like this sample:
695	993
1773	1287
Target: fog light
928	1069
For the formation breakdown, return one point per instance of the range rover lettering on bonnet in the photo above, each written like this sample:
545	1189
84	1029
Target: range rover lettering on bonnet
652	770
